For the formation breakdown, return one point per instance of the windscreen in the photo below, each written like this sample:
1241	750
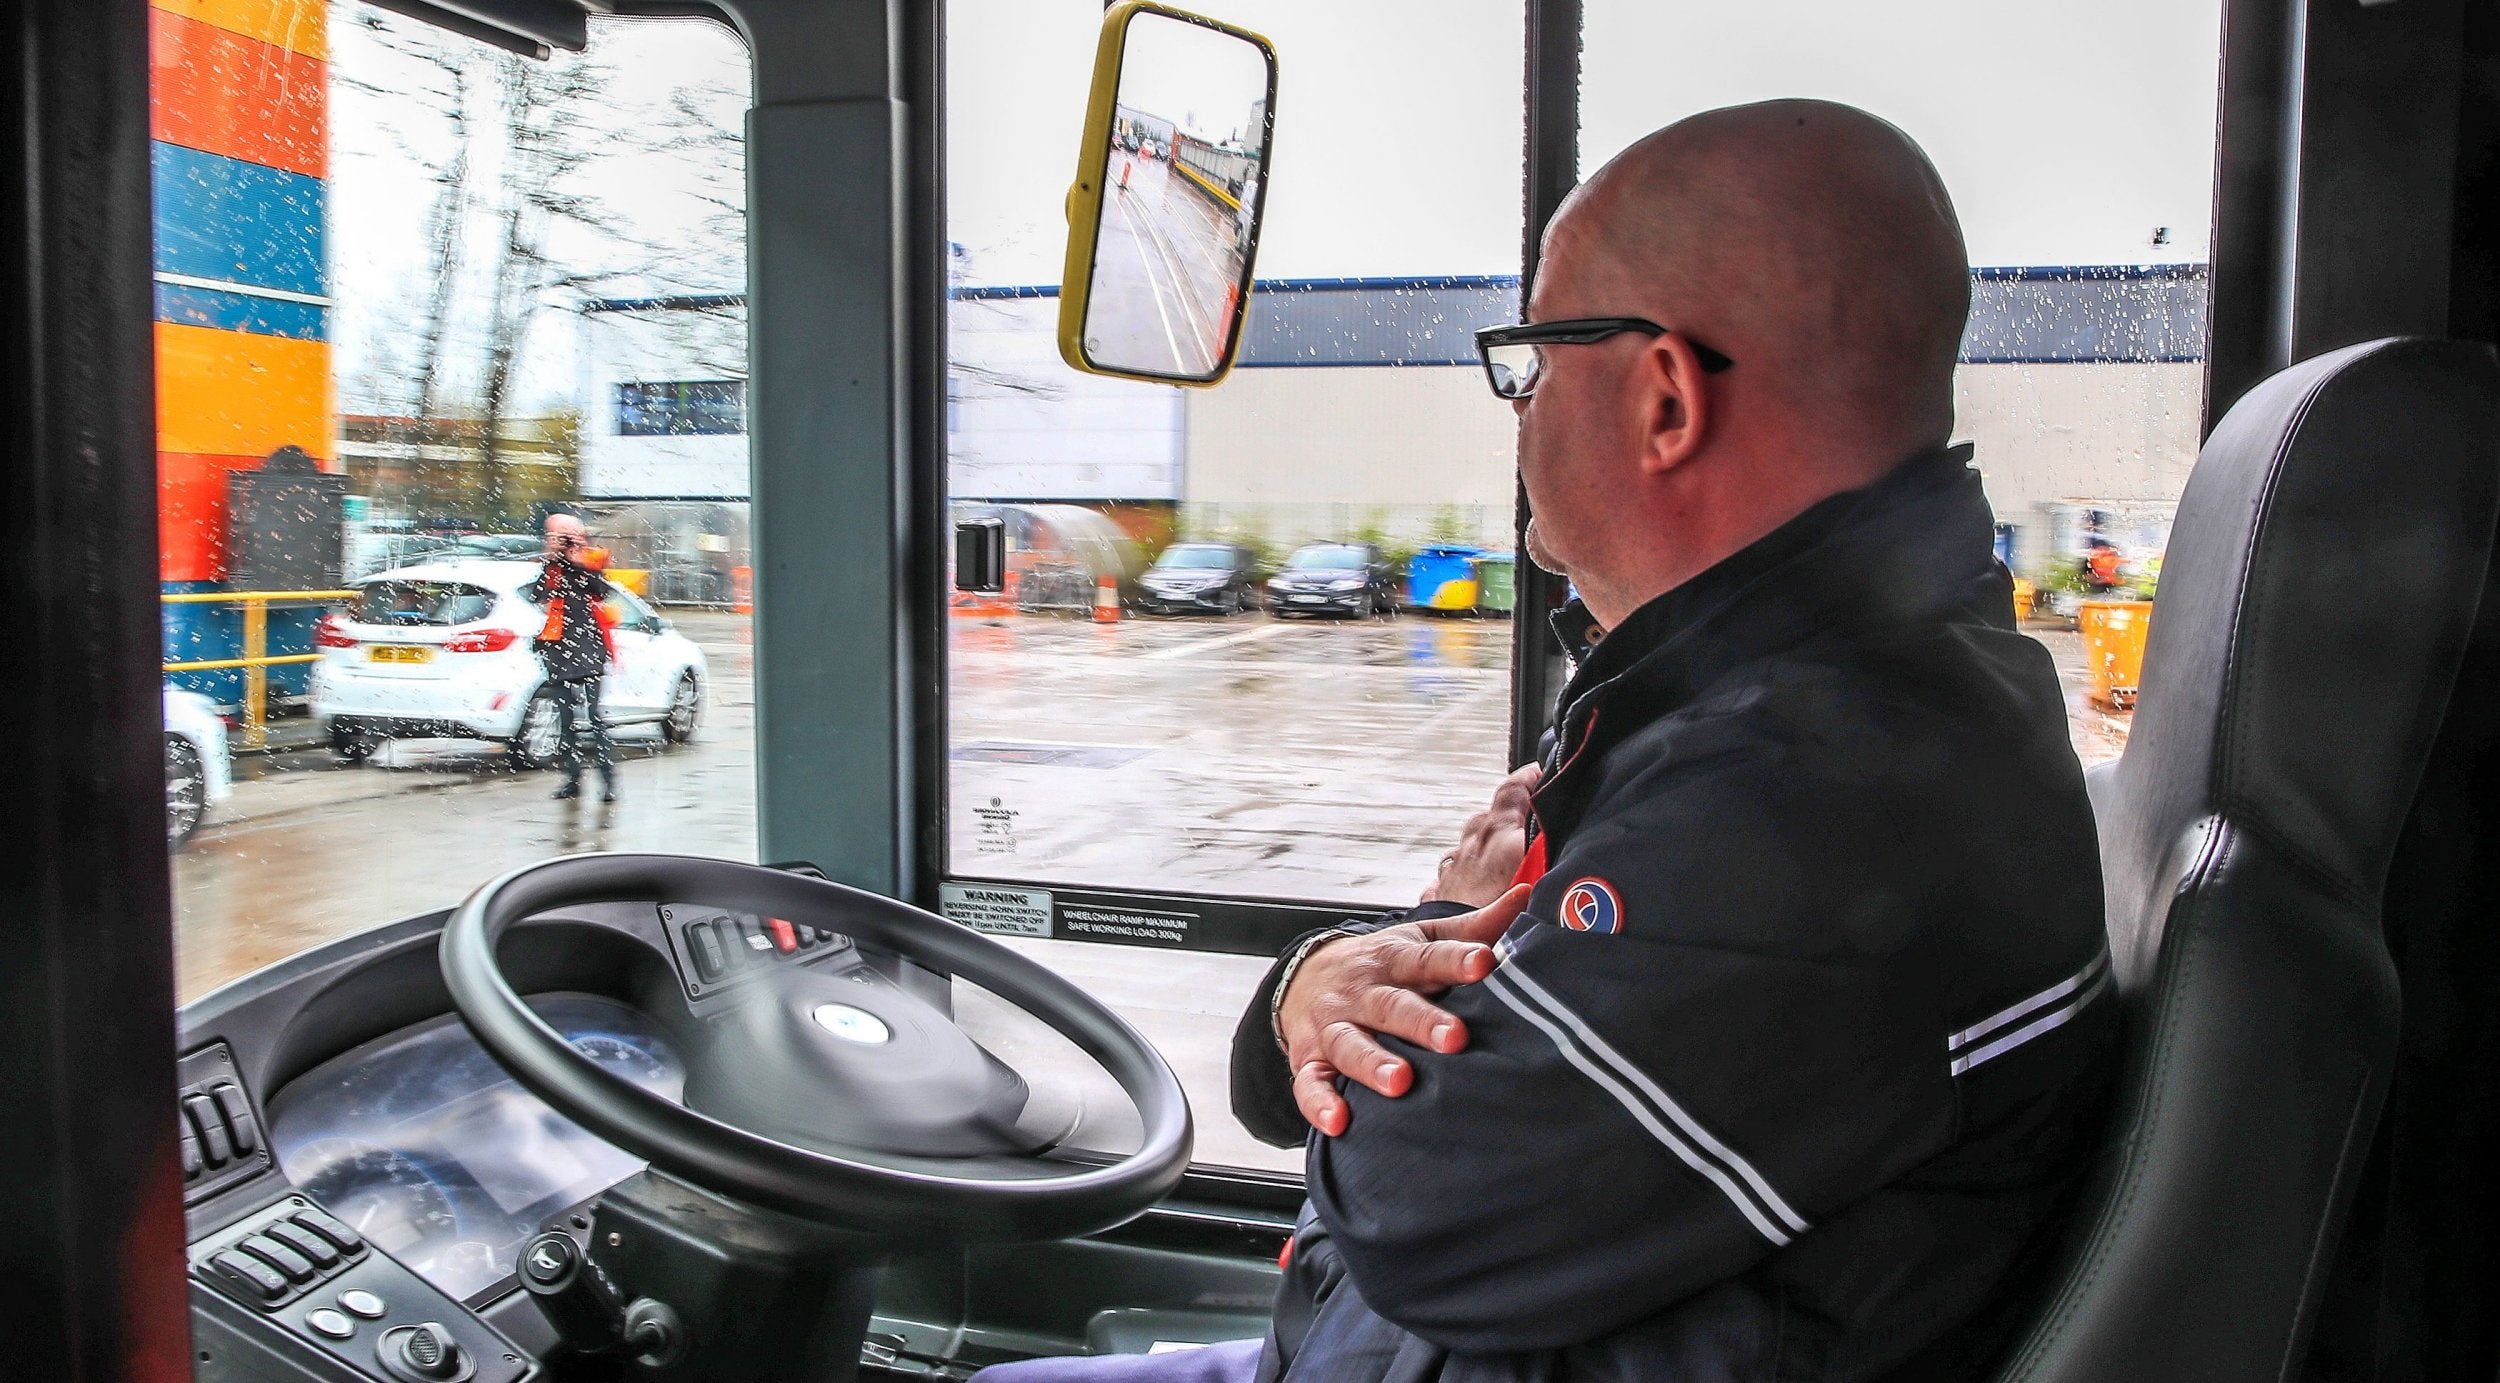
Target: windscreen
420	295
2084	184
1114	734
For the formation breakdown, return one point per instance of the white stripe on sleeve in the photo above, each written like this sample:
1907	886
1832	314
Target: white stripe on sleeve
1648	1105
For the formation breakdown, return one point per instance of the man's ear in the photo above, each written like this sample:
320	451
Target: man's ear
1676	413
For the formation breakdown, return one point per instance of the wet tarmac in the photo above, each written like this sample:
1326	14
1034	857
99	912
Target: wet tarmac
1330	761
1166	262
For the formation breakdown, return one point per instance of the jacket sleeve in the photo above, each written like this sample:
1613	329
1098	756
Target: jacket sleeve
536	591
1739	1037
1262	1083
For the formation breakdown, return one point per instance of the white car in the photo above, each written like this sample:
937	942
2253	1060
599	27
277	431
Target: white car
198	775
441	650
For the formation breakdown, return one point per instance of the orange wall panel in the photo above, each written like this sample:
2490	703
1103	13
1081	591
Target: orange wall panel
299	26
230	393
191	513
226	93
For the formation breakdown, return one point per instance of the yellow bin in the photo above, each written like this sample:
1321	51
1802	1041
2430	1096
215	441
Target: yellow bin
2113	648
635	579
2024	595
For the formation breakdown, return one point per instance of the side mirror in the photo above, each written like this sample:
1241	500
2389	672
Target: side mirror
1163	221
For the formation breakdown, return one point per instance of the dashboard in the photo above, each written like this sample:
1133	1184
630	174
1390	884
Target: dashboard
361	1178
420	1143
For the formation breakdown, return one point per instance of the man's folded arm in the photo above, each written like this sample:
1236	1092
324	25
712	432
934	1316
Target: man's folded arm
1262	1082
1645	1112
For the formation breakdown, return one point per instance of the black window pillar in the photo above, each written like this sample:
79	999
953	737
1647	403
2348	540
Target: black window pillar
1551	170
91	1232
2334	178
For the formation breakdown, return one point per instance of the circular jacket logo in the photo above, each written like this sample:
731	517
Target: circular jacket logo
1591	906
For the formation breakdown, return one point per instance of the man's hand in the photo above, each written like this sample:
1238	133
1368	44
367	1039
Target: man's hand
1351	987
1490	846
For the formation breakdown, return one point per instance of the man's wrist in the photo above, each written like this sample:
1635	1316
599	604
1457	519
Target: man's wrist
1284	979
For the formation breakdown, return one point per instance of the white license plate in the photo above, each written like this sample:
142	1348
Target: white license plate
1308	599
400	653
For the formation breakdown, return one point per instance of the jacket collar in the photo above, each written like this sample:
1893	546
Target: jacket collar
1917	543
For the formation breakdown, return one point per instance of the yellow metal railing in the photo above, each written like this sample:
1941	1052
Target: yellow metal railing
256	660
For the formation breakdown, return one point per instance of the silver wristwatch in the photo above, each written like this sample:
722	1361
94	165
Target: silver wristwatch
1276	1001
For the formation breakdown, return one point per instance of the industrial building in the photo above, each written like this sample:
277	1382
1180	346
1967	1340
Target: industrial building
1359	408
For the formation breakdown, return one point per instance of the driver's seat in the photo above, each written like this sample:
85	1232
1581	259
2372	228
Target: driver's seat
2320	588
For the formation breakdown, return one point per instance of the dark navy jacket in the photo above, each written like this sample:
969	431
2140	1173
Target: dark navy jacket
580	649
1796	1054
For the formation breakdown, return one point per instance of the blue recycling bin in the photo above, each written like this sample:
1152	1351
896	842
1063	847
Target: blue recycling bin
1443	578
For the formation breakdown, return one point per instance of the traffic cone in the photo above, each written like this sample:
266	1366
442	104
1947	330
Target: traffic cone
1106	600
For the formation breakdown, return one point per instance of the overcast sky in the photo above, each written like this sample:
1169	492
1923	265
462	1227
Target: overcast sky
2066	131
1204	81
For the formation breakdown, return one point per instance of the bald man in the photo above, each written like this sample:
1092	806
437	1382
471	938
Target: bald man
1787	1057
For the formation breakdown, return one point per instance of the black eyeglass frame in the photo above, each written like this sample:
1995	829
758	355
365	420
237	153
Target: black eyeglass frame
1577	331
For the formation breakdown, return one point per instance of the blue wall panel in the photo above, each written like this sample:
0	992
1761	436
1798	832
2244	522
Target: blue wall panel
209	307
235	222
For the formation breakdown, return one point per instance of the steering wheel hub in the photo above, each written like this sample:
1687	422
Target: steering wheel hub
852	1024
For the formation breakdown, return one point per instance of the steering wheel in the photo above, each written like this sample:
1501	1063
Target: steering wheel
811	1045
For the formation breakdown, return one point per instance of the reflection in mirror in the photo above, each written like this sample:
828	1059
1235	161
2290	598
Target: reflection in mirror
1175	205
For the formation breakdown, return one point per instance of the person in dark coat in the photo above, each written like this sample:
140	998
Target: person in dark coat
575	648
1737	1041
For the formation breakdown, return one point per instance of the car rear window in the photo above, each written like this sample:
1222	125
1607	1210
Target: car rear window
430	603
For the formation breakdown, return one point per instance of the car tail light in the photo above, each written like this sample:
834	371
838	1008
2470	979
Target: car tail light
481	641
327	634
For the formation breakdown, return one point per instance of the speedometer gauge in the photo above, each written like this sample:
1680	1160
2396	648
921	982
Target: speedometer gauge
384	1195
426	1146
633	1060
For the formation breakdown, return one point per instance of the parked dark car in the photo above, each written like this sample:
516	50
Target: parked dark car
1334	579
1200	578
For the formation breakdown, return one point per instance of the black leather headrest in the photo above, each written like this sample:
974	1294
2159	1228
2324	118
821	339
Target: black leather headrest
2308	629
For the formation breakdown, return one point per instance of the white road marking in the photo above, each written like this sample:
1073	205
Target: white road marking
1175	274
1152	288
1264	631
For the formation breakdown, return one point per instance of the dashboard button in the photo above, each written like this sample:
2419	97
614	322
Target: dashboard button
328	1227
255	1278
364	1304
704	943
240	1130
305	1242
751	936
190	1156
423	1353
286	1260
330	1323
785	937
211	1127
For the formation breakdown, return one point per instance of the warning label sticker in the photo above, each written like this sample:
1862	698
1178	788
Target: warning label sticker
1128	924
1006	911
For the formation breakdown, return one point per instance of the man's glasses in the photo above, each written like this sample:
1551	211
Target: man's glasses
1514	355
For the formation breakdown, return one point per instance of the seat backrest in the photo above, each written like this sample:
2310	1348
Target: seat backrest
2323	574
